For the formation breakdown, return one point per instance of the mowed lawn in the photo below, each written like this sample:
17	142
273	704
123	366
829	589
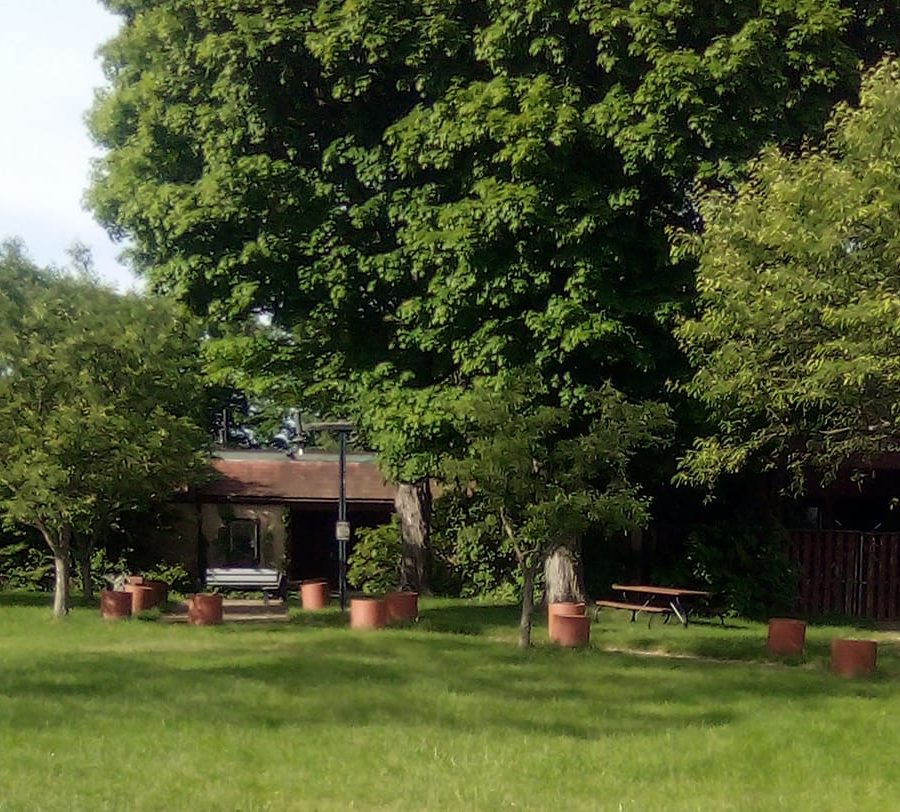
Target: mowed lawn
444	715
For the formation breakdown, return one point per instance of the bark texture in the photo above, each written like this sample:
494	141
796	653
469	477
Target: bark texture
84	548
563	574
60	543
413	506
525	622
87	579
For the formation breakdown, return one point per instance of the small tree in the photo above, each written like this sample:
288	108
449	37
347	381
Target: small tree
542	478
98	398
796	346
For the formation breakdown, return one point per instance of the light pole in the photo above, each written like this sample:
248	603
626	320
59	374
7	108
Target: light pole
342	528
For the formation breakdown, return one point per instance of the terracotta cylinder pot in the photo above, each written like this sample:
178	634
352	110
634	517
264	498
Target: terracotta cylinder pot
142	597
314	594
787	637
134	579
115	605
204	609
563	607
401	606
367	613
160	591
572	630
853	658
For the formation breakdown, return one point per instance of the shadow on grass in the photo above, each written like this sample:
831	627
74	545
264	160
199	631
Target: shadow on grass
471	619
10	598
318	678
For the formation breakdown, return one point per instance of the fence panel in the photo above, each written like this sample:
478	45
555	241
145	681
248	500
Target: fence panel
855	574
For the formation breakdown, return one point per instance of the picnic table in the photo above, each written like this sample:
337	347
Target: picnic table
654	600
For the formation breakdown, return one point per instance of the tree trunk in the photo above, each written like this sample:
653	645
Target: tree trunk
528	570
60	543
563	575
87	577
61	592
413	506
83	546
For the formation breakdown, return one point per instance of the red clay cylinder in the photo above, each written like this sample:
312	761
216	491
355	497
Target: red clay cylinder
853	658
367	613
314	594
160	591
401	606
204	609
787	637
563	607
572	630
115	605
141	597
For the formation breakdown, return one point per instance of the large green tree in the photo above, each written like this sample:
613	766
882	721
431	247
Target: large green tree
99	395
796	344
417	193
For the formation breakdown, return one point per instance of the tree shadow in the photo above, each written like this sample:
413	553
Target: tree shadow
471	619
296	676
12	598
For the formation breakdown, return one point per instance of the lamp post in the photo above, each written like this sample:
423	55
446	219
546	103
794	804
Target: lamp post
342	528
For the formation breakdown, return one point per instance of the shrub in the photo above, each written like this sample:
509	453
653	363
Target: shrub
175	575
746	566
374	565
104	567
25	562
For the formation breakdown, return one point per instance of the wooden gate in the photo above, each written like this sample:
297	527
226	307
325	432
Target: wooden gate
854	574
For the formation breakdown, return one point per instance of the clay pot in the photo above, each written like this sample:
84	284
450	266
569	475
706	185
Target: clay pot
314	594
563	607
572	630
787	637
160	591
205	609
134	579
142	597
367	613
401	606
853	658
115	605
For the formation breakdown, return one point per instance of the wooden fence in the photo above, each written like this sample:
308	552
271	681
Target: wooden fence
848	573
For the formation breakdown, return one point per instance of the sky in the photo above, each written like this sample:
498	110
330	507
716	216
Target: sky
48	73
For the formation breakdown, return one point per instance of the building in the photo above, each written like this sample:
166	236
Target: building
265	508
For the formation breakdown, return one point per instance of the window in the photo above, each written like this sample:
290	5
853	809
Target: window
242	539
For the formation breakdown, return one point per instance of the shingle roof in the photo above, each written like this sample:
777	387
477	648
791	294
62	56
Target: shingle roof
279	478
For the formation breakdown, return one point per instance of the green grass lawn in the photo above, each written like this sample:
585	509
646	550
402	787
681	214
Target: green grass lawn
443	715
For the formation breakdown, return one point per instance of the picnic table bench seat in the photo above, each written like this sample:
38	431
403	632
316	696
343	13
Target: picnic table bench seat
271	582
636	608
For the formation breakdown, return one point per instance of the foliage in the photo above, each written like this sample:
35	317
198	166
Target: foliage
539	478
99	396
466	560
105	567
470	559
796	343
744	566
25	562
374	566
418	193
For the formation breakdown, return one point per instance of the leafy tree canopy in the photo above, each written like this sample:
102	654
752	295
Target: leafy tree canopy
796	344
99	397
416	194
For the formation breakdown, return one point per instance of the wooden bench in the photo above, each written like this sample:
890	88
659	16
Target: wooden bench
636	608
270	582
